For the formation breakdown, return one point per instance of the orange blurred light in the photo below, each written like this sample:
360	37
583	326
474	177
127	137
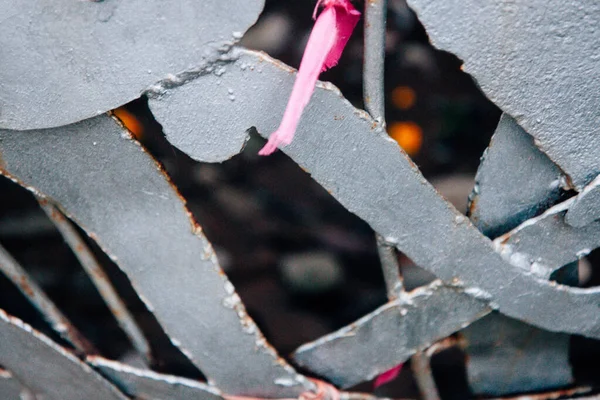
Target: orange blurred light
130	121
409	136
403	97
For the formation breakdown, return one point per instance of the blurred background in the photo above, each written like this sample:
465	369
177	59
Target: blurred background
303	265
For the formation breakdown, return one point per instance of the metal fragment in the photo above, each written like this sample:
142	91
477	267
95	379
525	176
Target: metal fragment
98	277
421	367
47	369
117	193
537	60
506	356
146	384
40	300
586	207
366	172
390	335
515	181
78	59
543	244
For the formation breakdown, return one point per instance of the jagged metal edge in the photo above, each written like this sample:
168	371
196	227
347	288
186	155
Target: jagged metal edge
391	334
119	195
73	60
351	156
140	383
45	367
538	61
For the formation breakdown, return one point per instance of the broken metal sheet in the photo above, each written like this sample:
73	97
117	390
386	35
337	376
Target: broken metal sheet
586	208
149	385
46	368
390	335
10	388
515	181
537	60
117	193
351	156
543	244
506	356
70	60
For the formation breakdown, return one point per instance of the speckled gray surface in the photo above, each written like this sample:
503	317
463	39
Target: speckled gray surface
65	61
538	60
48	370
515	181
586	208
117	193
149	385
347	152
390	335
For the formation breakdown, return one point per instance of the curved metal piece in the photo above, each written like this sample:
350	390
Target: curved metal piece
45	368
146	384
391	334
71	60
367	172
515	181
119	195
538	61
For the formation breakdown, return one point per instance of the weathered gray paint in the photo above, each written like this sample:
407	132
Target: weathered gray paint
545	243
515	181
10	388
365	171
118	195
506	356
390	335
538	60
149	385
46	368
586	207
64	61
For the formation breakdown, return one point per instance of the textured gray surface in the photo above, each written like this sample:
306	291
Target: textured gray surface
344	150
10	388
47	369
586	207
546	243
515	181
65	61
538	60
119	196
149	385
390	335
506	356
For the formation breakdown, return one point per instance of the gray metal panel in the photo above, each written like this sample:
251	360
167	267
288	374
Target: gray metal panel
507	356
65	61
121	198
545	243
515	181
344	150
46	368
390	335
538	60
149	385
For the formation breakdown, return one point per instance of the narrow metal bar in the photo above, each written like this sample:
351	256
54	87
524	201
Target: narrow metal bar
374	98
98	277
421	367
374	59
36	296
